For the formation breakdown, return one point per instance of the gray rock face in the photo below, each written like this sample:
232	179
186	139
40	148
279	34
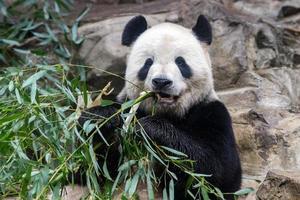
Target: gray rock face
279	185
267	138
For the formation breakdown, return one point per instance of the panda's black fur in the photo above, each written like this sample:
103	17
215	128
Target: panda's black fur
204	132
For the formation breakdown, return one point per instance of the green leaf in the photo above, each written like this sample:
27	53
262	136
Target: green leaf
88	126
149	186
171	190
243	191
191	194
3	90
220	194
82	14
11	86
25	183
45	10
127	165
19	98
154	154
33	92
74	31
106	102
197	174
51	34
94	160
204	194
3	9
31	27
127	104
10	42
165	194
133	184
105	171
174	151
56	191
11	117
21	51
116	183
33	78
40	35
101	135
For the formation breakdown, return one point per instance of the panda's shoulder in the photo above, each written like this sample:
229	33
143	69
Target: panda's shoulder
215	107
208	114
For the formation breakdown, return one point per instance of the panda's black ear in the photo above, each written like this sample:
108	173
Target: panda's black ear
133	29
203	30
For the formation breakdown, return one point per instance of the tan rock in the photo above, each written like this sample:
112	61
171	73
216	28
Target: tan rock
267	138
280	185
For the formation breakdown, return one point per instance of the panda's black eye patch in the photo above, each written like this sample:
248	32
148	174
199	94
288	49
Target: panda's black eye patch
183	67
142	74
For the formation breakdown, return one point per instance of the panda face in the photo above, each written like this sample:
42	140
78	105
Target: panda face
170	61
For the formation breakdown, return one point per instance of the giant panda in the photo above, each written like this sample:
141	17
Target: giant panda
173	62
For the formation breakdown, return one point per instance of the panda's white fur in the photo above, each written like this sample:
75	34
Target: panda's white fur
163	43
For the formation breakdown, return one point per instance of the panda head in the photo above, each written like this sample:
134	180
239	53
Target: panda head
171	61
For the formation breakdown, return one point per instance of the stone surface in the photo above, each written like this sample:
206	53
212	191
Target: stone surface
267	139
279	185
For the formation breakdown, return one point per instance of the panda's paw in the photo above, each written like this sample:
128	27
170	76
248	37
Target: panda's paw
99	114
153	126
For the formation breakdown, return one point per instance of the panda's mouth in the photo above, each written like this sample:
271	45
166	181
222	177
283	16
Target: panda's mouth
166	98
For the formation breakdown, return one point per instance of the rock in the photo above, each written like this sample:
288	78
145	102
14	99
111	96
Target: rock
280	185
259	8
283	84
267	139
265	58
229	53
287	11
239	98
266	38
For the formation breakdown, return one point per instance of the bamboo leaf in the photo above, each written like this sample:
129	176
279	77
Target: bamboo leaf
149	186
82	14
74	32
10	42
243	191
19	98
127	165
174	151
11	86
171	190
33	78
116	182
220	194
165	194
94	160
105	171
204	194
106	102
33	92
133	184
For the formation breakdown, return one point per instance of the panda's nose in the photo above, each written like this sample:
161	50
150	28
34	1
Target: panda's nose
161	83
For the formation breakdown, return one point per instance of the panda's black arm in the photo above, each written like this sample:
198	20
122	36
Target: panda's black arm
98	114
205	134
164	132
